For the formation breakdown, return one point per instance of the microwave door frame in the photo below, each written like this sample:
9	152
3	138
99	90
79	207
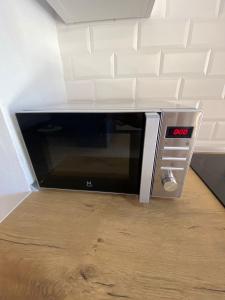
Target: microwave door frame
149	150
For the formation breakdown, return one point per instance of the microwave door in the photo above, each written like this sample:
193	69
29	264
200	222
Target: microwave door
150	140
85	151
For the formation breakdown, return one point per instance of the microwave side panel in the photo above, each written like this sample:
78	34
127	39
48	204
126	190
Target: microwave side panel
174	153
34	186
149	150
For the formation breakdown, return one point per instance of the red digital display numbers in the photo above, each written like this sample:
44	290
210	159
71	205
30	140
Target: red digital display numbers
179	132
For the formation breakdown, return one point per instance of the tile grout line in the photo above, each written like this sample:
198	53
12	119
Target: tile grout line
113	62
135	91
165	13
179	89
90	40
208	62
138	37
188	33
161	62
219	7
223	93
213	130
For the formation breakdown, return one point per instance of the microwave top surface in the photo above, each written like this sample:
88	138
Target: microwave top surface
115	106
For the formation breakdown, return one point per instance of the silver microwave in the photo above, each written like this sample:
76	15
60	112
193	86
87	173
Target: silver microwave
144	151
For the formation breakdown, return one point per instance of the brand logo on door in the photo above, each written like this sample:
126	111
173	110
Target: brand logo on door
89	184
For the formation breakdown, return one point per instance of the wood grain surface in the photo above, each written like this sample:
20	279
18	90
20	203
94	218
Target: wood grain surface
60	245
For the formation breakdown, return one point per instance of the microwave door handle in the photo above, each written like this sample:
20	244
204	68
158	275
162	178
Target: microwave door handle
150	140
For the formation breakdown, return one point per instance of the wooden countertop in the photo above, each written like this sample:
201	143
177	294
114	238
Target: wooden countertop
60	245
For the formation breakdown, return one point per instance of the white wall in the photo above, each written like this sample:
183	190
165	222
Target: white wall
11	174
30	74
179	53
13	187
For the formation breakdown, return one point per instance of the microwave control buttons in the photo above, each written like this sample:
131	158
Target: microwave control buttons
174	158
169	182
172	168
176	148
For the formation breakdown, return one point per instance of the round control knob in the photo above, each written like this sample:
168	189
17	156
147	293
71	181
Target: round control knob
169	182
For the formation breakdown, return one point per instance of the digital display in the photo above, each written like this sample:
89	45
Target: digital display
179	132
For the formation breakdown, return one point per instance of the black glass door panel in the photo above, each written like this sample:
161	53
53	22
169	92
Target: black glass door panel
86	151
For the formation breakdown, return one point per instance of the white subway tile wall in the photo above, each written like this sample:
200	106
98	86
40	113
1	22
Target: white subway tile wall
206	130
115	89
178	62
178	53
73	39
156	88
162	33
208	33
137	64
94	65
217	65
222	12
220	131
116	35
80	89
207	88
214	110
193	8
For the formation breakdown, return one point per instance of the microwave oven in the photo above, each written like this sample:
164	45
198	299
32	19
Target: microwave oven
144	151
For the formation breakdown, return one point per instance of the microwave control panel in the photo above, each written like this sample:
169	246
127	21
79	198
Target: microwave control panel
177	134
